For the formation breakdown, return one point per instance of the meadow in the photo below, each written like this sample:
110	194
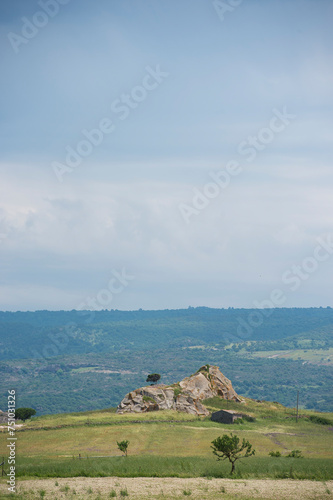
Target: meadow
169	443
74	456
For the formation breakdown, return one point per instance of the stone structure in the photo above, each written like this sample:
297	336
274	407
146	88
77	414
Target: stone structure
185	396
225	416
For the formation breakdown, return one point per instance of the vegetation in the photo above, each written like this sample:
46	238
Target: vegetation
123	446
24	413
295	454
177	391
171	444
153	377
275	454
69	361
175	466
148	399
320	420
228	447
245	418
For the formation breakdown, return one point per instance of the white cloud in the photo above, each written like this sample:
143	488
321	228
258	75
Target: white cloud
246	237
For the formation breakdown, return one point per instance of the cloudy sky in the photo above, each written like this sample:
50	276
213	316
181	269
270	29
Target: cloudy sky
164	154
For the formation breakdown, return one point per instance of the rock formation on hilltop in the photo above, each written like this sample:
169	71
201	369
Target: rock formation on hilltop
185	396
3	417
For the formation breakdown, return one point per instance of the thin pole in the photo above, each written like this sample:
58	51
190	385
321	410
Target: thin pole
297	407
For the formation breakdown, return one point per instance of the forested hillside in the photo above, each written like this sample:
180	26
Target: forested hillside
70	361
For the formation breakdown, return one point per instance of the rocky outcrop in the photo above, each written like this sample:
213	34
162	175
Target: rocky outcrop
185	396
3	417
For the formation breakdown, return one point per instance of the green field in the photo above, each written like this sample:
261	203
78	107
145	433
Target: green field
314	356
183	467
169	443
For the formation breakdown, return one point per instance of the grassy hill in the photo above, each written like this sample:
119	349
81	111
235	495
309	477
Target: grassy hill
74	456
46	334
169	443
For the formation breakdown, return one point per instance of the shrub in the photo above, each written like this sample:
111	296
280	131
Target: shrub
295	454
153	377
238	421
248	418
274	454
124	493
24	413
123	445
176	392
204	368
244	419
320	420
148	399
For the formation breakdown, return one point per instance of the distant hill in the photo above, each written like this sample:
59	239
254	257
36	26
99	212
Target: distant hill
43	333
69	360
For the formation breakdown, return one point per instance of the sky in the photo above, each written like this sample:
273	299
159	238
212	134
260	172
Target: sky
162	154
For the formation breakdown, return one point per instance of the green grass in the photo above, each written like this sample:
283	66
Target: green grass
148	399
190	438
183	467
169	443
171	433
267	410
100	417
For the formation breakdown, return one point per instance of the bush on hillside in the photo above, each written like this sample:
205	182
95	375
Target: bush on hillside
320	420
274	453
24	413
295	454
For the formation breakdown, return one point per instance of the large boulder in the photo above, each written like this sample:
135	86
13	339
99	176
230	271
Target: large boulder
209	382
3	417
185	396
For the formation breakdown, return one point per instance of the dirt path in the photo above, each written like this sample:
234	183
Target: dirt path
170	488
275	441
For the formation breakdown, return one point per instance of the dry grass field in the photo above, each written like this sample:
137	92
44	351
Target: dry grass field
171	488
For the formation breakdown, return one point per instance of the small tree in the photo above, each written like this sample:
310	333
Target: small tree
228	447
123	445
24	413
153	377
